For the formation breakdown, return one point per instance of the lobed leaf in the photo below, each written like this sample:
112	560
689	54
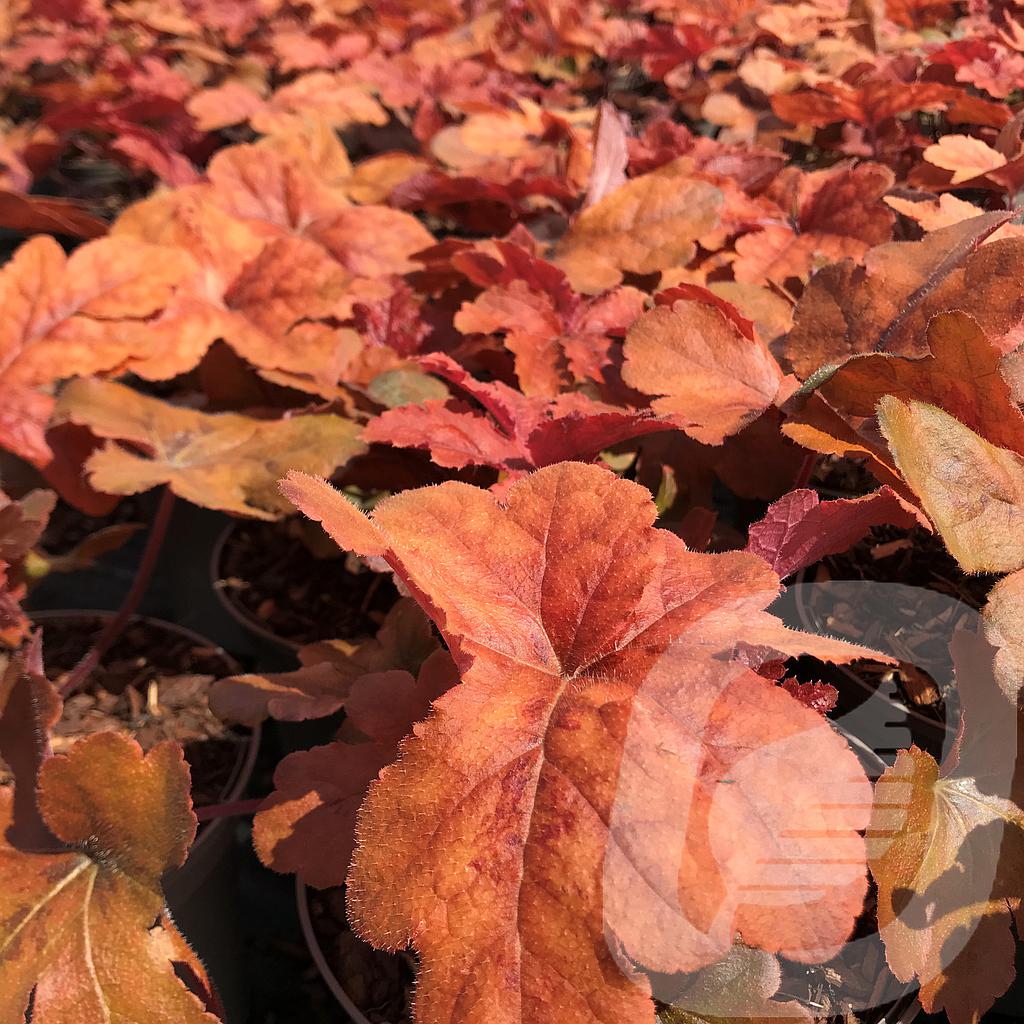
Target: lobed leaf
799	529
308	824
648	224
224	460
885	306
714	378
80	929
520	817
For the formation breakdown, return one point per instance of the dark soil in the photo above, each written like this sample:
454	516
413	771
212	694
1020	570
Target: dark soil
380	984
152	685
272	578
836	477
914	558
68	527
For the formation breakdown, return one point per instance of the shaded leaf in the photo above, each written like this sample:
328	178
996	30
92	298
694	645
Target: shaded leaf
960	374
739	987
1004	629
225	460
307	825
29	707
947	851
328	669
885	305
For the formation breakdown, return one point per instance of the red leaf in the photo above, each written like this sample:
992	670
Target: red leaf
800	529
523	432
29	708
820	697
43	213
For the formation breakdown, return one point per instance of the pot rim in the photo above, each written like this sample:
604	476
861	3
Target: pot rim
245	763
246	621
316	952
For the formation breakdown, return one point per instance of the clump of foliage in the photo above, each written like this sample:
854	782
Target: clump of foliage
412	246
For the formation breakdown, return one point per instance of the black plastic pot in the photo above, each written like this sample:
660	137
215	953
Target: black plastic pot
202	894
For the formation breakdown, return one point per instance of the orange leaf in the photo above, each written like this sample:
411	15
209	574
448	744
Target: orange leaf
553	333
650	223
885	305
960	374
77	923
587	644
324	94
275	195
82	314
253	291
23	419
964	155
376	178
225	460
307	825
839	215
328	669
714	378
271	191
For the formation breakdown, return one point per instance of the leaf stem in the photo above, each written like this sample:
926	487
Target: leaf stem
113	629
230	809
803	477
